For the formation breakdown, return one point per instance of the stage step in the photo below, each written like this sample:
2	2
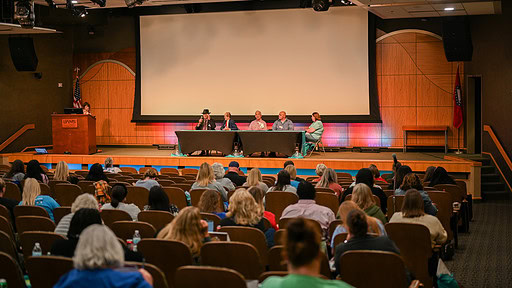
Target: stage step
493	186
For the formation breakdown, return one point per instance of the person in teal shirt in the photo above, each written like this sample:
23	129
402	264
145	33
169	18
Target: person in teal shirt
316	129
302	250
32	196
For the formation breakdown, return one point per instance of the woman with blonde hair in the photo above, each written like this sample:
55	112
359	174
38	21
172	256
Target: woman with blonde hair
243	211
293	175
363	197
206	180
62	173
32	196
209	203
254	179
258	196
189	228
320	169
330	180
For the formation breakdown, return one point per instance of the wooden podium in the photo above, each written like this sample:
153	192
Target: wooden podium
74	133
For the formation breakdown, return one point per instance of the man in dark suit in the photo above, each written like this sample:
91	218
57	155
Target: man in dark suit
232	174
228	124
205	122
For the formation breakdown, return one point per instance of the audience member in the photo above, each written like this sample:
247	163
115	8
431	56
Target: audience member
330	180
293	175
316	129
206	180
119	193
210	203
363	197
303	252
412	181
159	201
62	173
17	172
365	176
258	194
98	255
228	123
428	174
399	177
96	173
290	162
413	212
320	168
282	123
243	211
440	176
32	196
233	175
218	171
189	228
283	183
35	171
307	207
109	166
8	203
376	173
359	239
255	179
100	183
258	123
148	181
83	201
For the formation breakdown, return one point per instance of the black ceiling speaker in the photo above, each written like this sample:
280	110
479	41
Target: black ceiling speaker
23	54
458	45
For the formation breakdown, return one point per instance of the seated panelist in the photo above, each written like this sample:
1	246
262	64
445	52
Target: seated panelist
258	123
316	129
282	123
228	124
205	122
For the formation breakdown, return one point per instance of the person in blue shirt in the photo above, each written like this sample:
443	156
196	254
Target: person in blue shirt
228	124
99	261
32	196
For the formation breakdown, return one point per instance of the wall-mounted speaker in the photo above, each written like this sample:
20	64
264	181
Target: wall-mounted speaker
23	54
457	39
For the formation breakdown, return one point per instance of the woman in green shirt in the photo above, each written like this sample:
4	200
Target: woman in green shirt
302	250
316	129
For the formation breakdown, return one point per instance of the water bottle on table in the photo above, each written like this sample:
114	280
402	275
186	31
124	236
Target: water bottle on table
136	240
37	251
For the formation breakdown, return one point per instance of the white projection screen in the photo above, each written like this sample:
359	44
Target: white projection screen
296	60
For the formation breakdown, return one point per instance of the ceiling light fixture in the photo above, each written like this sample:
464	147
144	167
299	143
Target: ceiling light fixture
449	9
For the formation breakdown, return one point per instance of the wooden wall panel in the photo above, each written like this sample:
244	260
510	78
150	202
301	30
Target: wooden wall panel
398	90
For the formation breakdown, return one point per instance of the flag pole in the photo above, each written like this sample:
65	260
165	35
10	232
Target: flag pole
458	142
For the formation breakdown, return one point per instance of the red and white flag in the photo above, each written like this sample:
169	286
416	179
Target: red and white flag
457	106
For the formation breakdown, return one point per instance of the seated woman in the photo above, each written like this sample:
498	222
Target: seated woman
148	181
330	180
62	173
189	228
440	176
413	212
316	129
243	211
98	256
258	196
375	226
254	179
206	180
17	172
228	124
363	197
219	172
320	168
32	196
83	201
399	177
365	176
293	175
412	181
376	173
428	174
100	183
159	201
209	203
283	183
302	250
119	193
35	171
109	166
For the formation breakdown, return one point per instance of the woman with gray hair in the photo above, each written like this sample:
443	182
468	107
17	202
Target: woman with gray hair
83	201
98	261
109	166
219	172
320	169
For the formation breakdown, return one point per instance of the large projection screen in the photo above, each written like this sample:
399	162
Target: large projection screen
296	60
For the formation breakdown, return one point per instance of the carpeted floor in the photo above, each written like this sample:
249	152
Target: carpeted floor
484	256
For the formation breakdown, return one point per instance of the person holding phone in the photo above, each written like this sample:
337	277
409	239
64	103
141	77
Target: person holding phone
205	122
87	108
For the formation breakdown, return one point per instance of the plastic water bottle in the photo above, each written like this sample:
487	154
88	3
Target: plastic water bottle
136	240
37	251
3	283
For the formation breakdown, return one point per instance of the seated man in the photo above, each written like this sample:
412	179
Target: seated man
232	174
228	124
258	124
205	122
307	207
316	129
282	123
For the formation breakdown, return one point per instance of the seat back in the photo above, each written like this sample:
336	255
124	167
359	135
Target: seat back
165	182
45	189
28	210
267	274
242	257
159	219
42	277
211	217
328	200
87	186
60	212
176	196
332	226
52	184
340	238
12	191
45	239
189	171
249	235
212	277
394	205
110	216
324	189
6	227
283	224
356	264
159	280
169	171
159	253
4	212
454	190
11	271
195	196
443	202
7	245
143	170
178	179
184	186
275	259
279	237
34	223
463	186
128	169
414	243
277	201
137	195
65	194
126	229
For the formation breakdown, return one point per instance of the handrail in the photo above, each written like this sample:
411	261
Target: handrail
498	145
16	135
499	170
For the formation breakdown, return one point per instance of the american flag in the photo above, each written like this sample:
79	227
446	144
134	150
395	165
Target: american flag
76	96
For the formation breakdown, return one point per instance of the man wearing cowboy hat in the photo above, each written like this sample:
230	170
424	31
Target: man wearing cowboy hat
205	122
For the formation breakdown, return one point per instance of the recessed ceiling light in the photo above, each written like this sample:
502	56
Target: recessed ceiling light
449	9
74	1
